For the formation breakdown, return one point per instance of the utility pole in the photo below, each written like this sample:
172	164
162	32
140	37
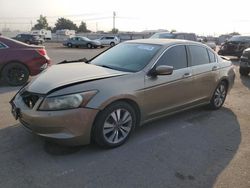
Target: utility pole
114	15
96	26
31	24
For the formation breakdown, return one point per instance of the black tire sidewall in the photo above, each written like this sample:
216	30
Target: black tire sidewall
10	66
69	45
243	71
89	45
99	123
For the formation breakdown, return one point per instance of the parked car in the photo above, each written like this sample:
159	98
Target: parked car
245	62
175	35
235	46
81	42
109	40
130	84
29	39
211	44
18	61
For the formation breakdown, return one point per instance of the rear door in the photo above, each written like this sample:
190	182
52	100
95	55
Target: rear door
167	93
205	70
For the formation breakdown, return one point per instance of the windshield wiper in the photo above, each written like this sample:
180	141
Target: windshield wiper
74	61
106	66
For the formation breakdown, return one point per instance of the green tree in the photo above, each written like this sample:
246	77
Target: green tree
42	23
83	28
114	31
63	23
234	33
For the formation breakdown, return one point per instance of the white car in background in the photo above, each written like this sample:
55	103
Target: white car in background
109	40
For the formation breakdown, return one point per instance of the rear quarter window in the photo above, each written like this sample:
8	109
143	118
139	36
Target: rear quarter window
212	57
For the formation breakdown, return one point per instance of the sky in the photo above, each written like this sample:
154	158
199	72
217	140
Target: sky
204	17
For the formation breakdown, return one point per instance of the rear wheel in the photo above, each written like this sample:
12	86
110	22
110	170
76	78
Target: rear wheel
219	96
15	74
243	71
69	45
89	45
114	125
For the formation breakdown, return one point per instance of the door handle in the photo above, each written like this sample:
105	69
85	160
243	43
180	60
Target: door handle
187	74
215	68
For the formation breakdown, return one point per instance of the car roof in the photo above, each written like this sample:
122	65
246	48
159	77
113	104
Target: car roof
164	42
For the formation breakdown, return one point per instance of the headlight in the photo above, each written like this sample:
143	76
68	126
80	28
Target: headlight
67	101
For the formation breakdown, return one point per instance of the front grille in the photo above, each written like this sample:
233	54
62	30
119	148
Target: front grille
29	99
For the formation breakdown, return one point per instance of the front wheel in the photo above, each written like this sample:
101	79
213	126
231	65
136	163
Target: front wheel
112	44
219	96
114	125
15	74
89	45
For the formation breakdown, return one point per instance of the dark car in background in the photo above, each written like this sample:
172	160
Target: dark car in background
245	62
81	42
29	39
19	61
235	46
175	35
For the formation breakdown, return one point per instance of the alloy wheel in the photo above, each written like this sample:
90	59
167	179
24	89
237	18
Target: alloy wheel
220	95
117	126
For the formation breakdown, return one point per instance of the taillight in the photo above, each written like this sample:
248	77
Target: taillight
42	52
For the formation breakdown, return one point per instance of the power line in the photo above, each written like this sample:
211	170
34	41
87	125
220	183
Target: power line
58	16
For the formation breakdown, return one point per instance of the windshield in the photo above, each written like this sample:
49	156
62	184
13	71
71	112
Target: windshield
239	38
127	57
162	35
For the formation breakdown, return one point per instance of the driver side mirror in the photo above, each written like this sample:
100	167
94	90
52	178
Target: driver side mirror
161	70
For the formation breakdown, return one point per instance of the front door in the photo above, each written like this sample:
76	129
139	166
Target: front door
167	93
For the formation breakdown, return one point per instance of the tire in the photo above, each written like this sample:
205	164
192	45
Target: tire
15	74
243	72
112	44
219	96
69	45
114	125
89	45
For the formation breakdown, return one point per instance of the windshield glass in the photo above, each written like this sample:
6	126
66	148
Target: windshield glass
127	57
162	35
235	38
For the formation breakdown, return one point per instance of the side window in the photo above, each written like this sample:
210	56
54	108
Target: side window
2	46
180	36
190	37
18	36
199	55
211	56
175	56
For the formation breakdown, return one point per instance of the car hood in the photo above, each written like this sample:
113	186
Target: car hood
67	74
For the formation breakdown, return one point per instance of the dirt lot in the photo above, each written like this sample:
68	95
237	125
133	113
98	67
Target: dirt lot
196	148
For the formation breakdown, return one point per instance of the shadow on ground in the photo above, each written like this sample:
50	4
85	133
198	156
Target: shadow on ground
189	149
